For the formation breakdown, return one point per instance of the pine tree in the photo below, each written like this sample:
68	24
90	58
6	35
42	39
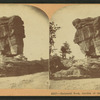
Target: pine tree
65	49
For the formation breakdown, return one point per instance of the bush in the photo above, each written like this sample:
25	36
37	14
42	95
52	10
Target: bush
55	64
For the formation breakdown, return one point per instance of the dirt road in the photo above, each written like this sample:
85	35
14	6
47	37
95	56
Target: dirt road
76	84
32	81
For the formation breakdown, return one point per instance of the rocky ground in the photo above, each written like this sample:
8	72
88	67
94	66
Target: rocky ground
32	81
78	69
24	74
76	84
82	74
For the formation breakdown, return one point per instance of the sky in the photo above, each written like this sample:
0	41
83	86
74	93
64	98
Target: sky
64	17
36	25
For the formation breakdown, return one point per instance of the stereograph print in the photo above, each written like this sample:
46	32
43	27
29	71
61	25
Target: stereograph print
40	52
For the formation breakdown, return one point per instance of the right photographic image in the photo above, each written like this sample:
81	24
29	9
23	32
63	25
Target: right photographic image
74	48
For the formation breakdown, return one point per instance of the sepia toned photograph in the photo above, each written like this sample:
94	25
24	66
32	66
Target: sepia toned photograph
74	48
24	47
50	49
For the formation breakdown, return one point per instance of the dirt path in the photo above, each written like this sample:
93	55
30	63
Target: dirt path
78	84
33	81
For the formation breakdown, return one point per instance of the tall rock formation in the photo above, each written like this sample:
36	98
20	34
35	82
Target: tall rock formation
11	37
87	35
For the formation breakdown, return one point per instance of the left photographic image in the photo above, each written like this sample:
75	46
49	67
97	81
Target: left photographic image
24	47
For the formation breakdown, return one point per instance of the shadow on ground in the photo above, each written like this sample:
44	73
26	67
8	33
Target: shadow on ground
23	68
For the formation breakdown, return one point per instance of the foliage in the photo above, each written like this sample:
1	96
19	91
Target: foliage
65	49
52	30
55	64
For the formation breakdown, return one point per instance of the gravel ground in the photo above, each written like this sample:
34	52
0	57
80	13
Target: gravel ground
76	84
32	81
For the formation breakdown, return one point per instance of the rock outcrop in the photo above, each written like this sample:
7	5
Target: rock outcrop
87	35
11	37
